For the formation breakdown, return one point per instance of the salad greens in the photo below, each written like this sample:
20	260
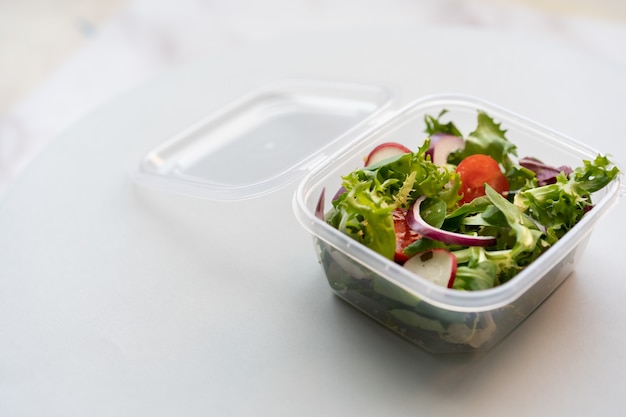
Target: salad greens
364	210
526	220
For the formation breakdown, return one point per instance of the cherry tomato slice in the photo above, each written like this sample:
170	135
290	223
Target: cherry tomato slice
476	171
404	235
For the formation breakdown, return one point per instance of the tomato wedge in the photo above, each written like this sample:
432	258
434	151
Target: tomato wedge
476	171
404	235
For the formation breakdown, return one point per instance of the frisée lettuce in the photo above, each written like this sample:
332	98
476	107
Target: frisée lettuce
526	218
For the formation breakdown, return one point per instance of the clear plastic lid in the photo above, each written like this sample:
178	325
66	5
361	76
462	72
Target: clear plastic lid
262	141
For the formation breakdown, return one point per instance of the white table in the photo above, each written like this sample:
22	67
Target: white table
121	301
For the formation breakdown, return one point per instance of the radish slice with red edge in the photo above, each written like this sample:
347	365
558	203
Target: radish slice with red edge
417	223
436	265
442	145
319	208
384	151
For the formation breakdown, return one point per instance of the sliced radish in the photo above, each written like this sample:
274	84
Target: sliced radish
417	223
442	145
436	265
384	151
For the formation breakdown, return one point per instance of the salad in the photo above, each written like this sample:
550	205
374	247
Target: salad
463	211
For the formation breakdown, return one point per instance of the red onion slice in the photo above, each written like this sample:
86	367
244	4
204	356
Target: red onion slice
340	191
546	174
417	223
319	208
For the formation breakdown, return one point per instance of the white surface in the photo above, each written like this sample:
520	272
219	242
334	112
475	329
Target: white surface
148	37
128	302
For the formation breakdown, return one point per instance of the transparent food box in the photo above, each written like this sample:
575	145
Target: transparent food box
316	131
278	132
438	319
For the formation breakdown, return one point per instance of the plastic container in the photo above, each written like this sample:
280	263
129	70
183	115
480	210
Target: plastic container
290	129
438	319
278	133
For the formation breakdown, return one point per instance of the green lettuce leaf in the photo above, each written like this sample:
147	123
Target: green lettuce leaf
480	277
364	210
435	126
561	205
489	139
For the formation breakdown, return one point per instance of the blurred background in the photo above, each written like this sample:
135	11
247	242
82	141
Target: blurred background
60	59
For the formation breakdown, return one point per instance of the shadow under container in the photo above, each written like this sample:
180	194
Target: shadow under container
442	320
